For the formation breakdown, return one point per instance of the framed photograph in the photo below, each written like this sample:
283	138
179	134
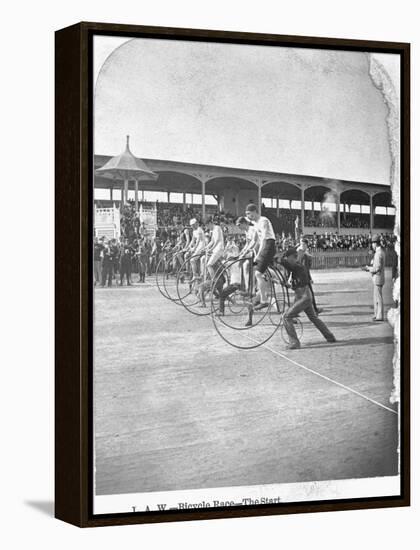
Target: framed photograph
232	274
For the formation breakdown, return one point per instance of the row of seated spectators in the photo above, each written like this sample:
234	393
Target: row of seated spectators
170	218
332	241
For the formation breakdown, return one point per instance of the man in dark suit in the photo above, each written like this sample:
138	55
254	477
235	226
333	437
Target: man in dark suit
126	257
107	264
303	300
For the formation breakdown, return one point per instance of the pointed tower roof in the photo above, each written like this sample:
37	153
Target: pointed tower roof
126	166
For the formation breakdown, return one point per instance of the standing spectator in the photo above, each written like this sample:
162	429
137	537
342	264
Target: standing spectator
107	265
148	248
155	254
115	252
126	256
97	260
142	257
377	270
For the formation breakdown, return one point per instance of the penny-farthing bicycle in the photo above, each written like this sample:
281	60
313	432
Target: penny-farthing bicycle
195	286
166	274
160	273
241	322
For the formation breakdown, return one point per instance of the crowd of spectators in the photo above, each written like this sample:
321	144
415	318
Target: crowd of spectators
171	218
333	242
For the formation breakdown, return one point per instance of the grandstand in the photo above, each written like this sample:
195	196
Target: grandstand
289	199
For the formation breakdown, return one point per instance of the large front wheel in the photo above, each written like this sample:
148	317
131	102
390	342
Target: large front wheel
237	316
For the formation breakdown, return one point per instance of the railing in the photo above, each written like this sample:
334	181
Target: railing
322	259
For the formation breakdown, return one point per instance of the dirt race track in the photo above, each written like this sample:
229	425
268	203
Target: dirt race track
177	408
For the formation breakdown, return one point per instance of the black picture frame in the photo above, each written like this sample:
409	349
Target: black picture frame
73	272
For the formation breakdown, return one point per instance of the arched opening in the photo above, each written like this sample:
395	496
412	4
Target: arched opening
178	196
384	211
355	210
232	194
320	208
281	203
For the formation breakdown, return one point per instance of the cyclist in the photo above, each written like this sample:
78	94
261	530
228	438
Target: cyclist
265	254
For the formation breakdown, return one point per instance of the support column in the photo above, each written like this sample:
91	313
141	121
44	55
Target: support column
184	206
278	207
338	214
371	215
111	194
168	196
259	197
302	209
122	197
125	194
136	195
203	200
142	195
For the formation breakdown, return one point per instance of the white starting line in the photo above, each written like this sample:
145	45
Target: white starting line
323	376
327	378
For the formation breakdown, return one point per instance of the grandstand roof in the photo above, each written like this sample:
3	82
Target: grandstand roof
182	177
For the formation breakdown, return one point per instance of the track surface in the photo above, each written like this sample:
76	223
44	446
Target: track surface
177	408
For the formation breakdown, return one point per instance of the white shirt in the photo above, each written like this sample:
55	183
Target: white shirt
217	242
264	229
235	272
251	236
199	239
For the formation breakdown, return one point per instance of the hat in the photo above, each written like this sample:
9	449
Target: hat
251	207
376	239
193	221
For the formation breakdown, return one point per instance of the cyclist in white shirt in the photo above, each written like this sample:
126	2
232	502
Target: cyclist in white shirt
266	251
196	246
251	245
251	235
216	246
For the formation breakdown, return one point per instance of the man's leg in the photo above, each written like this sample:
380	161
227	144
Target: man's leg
245	274
292	312
212	264
202	289
375	305
195	262
379	302
97	271
313	300
262	286
320	325
224	294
